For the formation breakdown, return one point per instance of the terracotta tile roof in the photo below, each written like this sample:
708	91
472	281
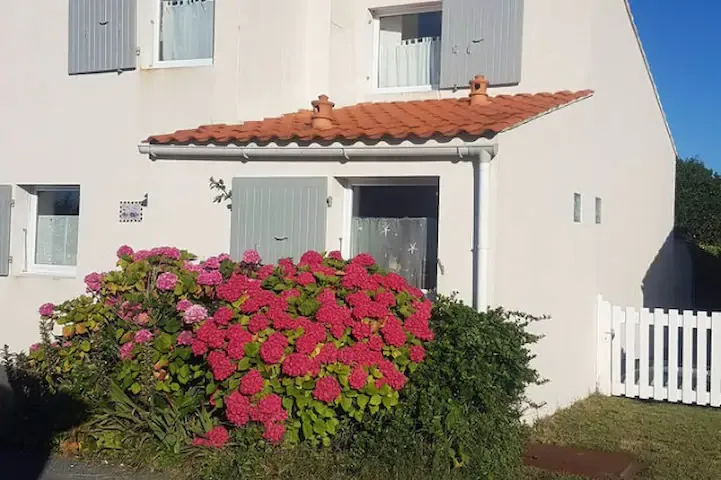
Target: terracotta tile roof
392	120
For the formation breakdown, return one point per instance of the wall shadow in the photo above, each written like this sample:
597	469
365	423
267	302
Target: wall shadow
30	419
684	276
670	281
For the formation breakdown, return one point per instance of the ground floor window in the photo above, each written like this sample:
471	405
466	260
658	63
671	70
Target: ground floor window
397	223
52	233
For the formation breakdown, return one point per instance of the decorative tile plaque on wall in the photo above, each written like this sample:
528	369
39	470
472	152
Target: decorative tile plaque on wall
131	212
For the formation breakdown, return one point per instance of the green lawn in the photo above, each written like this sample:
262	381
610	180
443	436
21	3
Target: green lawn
672	441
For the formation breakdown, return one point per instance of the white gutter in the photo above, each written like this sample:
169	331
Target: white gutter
480	153
255	152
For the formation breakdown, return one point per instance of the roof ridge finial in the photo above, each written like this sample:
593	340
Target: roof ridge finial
322	118
479	90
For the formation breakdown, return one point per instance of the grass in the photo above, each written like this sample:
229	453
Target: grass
672	441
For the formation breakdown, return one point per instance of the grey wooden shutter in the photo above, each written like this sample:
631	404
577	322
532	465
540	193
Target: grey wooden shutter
481	37
6	196
101	36
280	217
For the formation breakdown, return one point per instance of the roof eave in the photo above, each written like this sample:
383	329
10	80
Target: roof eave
428	150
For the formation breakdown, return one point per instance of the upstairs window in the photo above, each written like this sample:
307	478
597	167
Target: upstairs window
444	44
409	49
185	32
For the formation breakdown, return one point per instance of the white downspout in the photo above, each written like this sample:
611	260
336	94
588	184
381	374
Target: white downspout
482	209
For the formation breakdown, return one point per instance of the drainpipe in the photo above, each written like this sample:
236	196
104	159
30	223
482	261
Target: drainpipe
481	228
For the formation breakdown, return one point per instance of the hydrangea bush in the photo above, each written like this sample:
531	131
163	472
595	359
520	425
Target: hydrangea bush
291	348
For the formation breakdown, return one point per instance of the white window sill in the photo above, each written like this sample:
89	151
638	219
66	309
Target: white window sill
203	62
65	273
410	89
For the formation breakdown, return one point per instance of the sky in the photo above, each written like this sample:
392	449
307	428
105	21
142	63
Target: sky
683	45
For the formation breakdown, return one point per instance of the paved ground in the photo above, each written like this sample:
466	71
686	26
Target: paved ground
25	466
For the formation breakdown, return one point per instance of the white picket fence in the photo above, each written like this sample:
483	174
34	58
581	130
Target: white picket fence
661	355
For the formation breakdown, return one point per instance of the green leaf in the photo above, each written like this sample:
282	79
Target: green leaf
135	388
326	441
331	425
307	428
288	403
244	364
390	402
85	346
252	349
164	342
301	401
308	307
376	400
172	325
371	388
362	401
319	427
373	409
346	403
210	388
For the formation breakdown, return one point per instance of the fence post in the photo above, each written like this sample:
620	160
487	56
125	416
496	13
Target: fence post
604	337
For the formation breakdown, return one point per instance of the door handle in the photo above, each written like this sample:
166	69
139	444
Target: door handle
280	239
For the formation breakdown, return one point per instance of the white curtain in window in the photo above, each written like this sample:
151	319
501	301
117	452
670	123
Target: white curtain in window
413	62
57	240
186	29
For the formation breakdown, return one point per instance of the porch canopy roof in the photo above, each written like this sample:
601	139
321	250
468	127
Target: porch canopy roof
472	118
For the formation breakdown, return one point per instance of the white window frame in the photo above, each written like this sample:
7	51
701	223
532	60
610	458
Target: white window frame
158	63
30	240
376	15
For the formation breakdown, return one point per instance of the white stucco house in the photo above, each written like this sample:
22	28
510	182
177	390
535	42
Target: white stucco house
548	181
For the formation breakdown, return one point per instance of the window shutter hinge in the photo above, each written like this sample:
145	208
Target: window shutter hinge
10	259
12	203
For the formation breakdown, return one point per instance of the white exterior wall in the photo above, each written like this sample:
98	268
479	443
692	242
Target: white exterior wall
85	129
613	146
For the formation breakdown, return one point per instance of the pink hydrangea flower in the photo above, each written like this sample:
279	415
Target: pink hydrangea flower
183	305
126	351
274	432
335	255
143	336
167	281
211	263
195	314
94	281
125	251
215	438
192	267
34	347
416	353
46	309
251	256
251	383
142	319
212	277
185	338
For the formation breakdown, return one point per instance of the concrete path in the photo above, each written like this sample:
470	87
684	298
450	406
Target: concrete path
16	465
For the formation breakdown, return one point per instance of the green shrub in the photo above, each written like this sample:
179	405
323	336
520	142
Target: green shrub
462	409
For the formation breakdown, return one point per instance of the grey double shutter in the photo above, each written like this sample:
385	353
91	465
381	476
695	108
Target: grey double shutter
481	37
279	217
102	36
6	197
